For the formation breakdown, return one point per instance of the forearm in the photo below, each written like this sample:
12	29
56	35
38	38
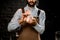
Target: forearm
13	25
40	29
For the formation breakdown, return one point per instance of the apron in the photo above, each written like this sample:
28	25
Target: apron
28	32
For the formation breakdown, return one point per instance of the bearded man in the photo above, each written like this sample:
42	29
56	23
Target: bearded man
26	20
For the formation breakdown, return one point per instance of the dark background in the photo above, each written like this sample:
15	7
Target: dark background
51	7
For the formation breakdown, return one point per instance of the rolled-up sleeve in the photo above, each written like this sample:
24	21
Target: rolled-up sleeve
41	26
13	24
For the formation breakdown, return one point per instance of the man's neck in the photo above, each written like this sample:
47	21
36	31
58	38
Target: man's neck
30	7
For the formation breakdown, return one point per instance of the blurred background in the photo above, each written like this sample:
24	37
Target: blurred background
51	8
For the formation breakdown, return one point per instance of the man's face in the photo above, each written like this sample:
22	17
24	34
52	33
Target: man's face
31	2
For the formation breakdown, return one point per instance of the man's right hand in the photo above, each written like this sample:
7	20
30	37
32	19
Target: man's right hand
22	20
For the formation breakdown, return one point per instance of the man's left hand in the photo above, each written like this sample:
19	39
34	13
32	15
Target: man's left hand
32	21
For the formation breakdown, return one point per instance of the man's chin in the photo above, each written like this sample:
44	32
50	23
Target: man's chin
31	4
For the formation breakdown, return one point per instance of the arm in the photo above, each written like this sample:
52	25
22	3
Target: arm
41	26
13	24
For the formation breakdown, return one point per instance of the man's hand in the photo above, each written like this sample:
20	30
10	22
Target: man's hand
32	21
27	18
22	20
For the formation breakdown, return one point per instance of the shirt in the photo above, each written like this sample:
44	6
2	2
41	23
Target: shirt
13	24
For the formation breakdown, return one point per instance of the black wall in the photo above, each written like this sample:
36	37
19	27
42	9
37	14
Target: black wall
51	7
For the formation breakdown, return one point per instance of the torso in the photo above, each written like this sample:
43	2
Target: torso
28	32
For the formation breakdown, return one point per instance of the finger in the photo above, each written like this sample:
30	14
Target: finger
33	19
24	15
27	12
30	21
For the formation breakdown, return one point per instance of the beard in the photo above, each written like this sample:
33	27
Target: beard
31	4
